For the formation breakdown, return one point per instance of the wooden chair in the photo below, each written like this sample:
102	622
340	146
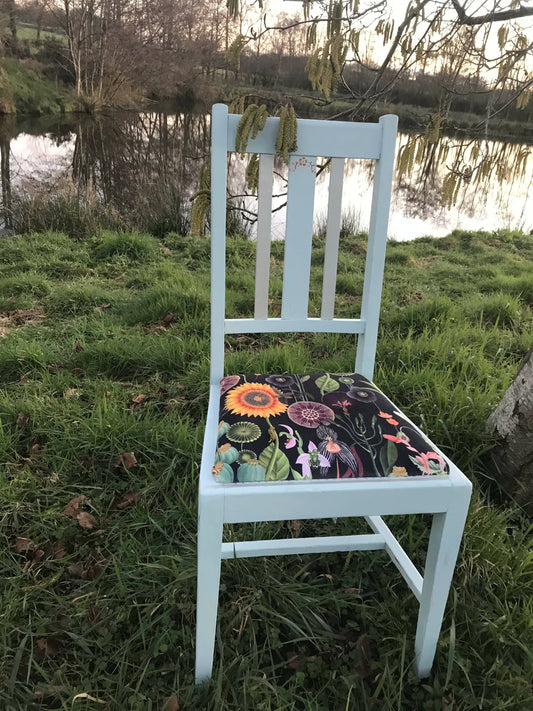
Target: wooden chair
297	446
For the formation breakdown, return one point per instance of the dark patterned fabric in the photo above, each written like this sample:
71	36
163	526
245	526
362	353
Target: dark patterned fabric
321	426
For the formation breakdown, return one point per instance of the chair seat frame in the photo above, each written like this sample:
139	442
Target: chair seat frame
446	498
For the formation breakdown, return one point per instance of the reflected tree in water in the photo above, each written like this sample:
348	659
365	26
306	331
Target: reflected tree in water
447	170
141	168
7	131
130	170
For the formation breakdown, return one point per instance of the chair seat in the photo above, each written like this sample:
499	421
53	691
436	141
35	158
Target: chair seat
319	426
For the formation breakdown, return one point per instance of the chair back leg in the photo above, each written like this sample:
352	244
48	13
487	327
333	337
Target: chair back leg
444	542
210	518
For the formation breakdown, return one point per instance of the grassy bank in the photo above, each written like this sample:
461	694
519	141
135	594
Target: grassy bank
103	387
24	90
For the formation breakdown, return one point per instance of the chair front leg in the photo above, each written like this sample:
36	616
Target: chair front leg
210	513
444	542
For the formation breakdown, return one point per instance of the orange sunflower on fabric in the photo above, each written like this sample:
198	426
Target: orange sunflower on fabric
254	400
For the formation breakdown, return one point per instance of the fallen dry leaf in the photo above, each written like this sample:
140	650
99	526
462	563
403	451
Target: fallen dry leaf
48	646
132	498
23	420
174	402
23	545
22	317
169	319
138	399
37	556
171	703
76	570
292	659
127	460
86	520
363	645
76	371
59	550
95	564
71	392
73	507
92	568
295	526
88	697
156	328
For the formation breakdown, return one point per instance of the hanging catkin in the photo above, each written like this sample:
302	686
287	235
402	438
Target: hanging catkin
202	201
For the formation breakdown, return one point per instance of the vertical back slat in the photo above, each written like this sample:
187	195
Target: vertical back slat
264	230
298	242
377	243
219	157
333	227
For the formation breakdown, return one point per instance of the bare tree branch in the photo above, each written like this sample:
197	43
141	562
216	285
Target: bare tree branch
494	16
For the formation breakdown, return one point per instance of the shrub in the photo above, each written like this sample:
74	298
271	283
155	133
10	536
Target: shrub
60	208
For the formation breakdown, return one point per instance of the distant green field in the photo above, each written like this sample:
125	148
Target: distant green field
29	32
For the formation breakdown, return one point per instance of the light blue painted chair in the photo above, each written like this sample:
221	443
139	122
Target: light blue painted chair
297	446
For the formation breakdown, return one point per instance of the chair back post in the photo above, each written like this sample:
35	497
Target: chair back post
219	158
377	243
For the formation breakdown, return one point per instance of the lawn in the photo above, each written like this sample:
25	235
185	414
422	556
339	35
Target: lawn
26	31
103	388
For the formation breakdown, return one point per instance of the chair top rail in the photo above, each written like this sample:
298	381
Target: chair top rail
337	139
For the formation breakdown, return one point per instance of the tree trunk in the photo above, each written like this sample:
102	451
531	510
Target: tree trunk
511	424
12	14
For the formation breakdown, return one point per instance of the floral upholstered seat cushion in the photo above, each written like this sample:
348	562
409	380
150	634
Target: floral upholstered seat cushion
320	426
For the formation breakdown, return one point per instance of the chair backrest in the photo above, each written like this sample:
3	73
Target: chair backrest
332	139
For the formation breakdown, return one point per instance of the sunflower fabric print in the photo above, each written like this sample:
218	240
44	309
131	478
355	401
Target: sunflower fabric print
321	426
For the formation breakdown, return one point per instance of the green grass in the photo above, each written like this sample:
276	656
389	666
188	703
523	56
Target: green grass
30	92
109	611
29	32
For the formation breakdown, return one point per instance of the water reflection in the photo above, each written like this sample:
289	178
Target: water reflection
143	168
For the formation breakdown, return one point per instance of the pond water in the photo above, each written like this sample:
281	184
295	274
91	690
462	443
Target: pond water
148	162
